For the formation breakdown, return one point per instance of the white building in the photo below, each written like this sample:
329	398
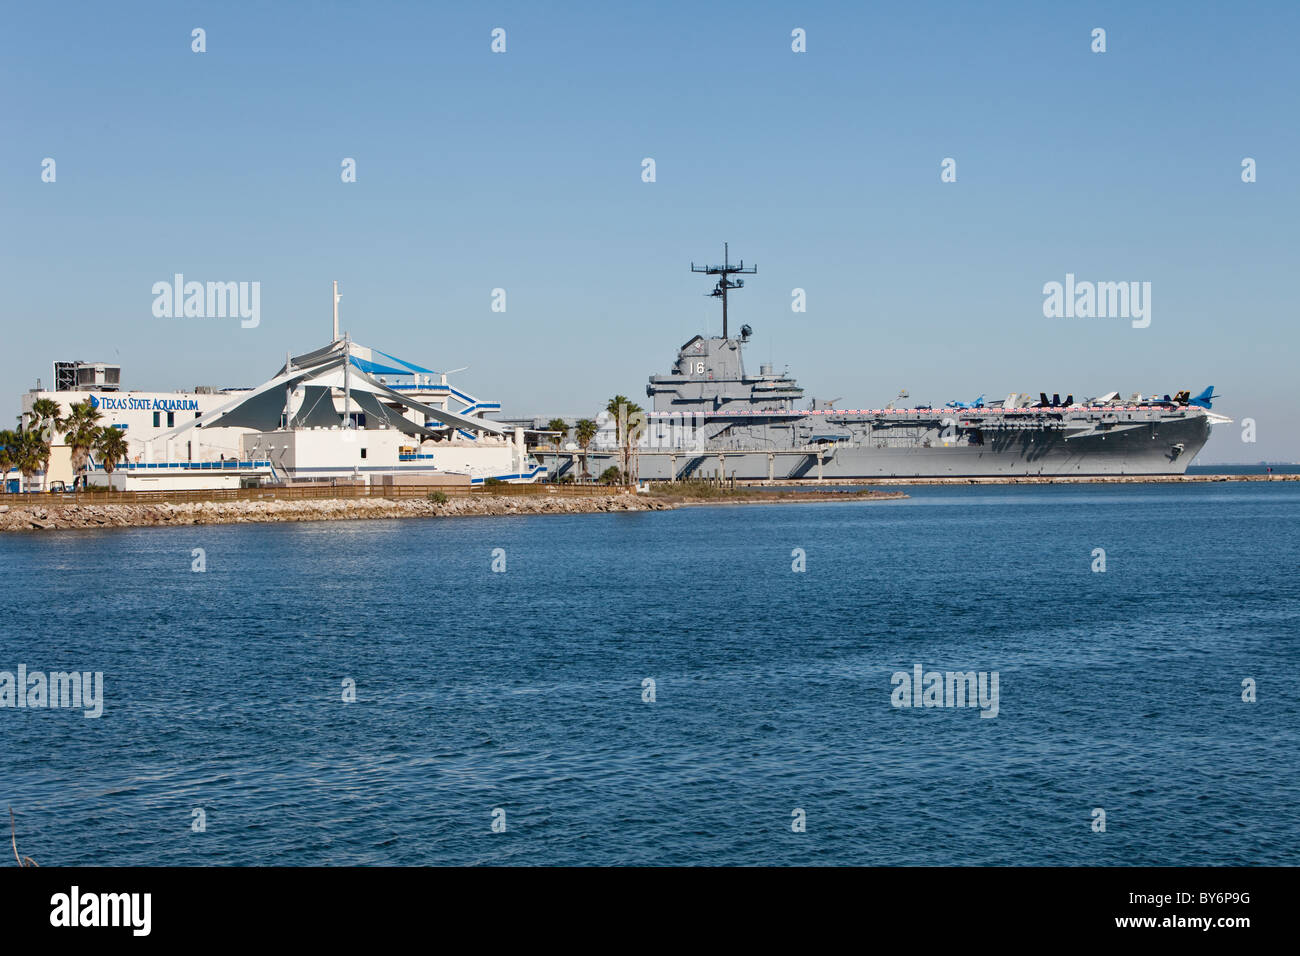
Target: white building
343	411
143	418
327	416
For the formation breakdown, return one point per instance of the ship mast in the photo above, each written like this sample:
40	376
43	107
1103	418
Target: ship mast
725	283
336	311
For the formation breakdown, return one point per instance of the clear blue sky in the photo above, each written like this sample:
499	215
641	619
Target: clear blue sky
522	171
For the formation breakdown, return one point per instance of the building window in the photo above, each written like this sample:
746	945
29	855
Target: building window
171	419
363	453
156	421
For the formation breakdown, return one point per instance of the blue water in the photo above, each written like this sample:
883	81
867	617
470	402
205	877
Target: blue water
522	690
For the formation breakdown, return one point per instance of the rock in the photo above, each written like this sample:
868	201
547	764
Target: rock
38	517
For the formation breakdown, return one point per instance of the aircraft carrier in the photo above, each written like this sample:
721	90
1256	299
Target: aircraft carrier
710	418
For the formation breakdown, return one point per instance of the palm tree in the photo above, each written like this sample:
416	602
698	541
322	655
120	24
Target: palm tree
82	425
47	421
8	455
628	416
32	451
585	431
110	446
561	428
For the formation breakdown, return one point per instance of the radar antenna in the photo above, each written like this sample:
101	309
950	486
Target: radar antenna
725	284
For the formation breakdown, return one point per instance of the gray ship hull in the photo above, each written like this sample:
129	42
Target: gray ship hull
1164	448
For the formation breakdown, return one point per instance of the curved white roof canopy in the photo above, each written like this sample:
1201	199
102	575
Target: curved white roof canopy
319	373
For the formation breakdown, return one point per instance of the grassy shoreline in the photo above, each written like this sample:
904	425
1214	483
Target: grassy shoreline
696	493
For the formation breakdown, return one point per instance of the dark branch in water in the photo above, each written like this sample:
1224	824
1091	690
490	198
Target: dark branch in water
13	838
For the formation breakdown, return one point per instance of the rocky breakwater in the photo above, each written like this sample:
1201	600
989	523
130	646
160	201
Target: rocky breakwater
52	515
